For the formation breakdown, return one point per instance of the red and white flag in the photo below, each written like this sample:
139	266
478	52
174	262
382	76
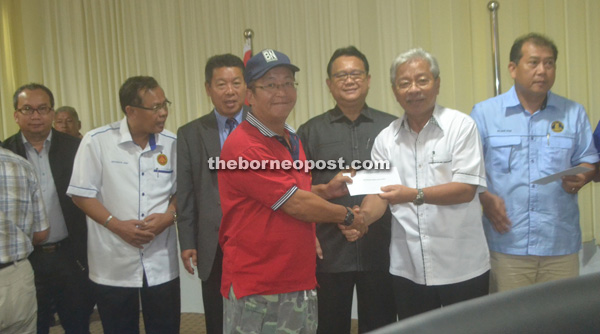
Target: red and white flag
247	50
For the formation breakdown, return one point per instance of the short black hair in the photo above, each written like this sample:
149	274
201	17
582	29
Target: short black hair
218	61
129	91
350	51
32	86
516	51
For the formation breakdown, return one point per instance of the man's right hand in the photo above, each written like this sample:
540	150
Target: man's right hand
495	210
359	223
129	231
189	258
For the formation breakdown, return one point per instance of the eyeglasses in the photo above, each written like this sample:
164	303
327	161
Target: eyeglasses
157	107
420	83
354	76
28	110
273	87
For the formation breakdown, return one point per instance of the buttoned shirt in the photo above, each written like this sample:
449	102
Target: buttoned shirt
223	131
22	211
436	244
331	136
41	163
521	147
132	183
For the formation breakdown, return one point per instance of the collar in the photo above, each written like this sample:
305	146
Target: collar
47	141
337	115
433	121
222	119
512	100
263	129
125	135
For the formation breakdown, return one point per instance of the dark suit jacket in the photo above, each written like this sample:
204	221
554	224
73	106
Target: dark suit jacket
198	206
62	152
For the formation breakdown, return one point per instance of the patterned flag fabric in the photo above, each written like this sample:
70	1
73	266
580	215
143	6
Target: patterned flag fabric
247	56
247	50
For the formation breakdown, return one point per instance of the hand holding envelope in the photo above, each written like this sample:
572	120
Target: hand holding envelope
555	177
367	182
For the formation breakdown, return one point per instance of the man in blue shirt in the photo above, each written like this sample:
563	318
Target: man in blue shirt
528	133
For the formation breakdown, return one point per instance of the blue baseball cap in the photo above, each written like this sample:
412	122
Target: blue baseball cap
265	60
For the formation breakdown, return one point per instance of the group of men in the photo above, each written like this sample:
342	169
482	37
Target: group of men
265	266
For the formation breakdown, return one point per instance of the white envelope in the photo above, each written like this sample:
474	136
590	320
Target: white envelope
557	176
367	182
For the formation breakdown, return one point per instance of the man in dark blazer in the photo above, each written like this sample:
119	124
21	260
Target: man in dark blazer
60	263
199	208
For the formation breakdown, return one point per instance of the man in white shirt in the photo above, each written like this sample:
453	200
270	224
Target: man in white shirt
438	252
124	180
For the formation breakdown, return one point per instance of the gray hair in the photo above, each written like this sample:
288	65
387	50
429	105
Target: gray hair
69	110
414	54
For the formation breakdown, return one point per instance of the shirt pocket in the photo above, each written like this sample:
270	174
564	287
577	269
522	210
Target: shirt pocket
162	178
502	150
440	163
556	154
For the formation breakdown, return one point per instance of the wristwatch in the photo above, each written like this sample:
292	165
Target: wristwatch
420	199
174	213
349	217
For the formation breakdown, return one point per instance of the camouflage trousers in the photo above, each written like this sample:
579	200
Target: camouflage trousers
286	313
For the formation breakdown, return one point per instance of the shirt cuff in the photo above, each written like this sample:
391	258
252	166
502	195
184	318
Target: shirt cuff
284	198
81	192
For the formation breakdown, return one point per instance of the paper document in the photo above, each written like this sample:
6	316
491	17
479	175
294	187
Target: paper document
370	181
557	176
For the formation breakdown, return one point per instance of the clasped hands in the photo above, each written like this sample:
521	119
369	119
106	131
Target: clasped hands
358	228
393	194
140	232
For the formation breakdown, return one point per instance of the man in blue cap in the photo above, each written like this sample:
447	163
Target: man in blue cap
267	232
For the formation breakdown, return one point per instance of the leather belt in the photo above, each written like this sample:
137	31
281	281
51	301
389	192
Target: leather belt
4	265
49	247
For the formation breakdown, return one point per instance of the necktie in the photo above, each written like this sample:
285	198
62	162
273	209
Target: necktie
230	124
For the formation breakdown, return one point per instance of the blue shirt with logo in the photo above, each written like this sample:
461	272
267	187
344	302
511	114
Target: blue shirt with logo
519	148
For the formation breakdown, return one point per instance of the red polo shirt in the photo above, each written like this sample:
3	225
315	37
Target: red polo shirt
265	250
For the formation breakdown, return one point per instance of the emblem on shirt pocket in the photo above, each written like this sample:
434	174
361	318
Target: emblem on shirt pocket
162	159
557	126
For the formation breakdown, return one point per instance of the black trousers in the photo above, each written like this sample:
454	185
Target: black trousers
212	298
119	308
63	286
413	298
374	296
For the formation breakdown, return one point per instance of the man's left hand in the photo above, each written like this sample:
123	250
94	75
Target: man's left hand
572	183
157	222
336	187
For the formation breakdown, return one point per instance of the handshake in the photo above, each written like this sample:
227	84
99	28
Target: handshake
357	229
